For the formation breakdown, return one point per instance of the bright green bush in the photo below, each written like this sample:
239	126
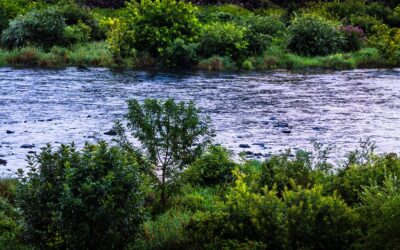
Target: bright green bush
223	39
260	32
244	216
212	168
319	222
387	41
78	33
43	28
312	36
89	199
152	26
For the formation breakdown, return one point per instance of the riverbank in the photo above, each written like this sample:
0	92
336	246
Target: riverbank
98	54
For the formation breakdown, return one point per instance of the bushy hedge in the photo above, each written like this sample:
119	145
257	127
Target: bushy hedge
89	199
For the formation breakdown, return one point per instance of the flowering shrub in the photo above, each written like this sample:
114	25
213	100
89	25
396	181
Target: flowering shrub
354	37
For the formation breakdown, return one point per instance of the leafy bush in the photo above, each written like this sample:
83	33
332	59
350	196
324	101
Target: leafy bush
81	200
319	222
365	22
354	38
103	3
179	54
260	31
216	63
223	39
77	33
244	216
387	41
152	26
213	168
9	10
43	28
312	36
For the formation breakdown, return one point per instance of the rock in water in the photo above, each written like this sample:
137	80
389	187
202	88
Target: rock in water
3	162
28	146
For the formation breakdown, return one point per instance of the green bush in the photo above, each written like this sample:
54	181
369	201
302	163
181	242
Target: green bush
319	222
9	9
353	36
179	54
213	168
260	32
78	33
387	41
89	199
312	36
365	22
152	26
42	28
223	39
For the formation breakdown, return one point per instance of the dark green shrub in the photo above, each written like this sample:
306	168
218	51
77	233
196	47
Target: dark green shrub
353	36
365	22
260	32
223	39
103	3
89	199
312	36
213	168
78	33
319	222
43	28
9	9
179	54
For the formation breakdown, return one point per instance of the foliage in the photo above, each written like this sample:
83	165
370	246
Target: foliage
212	168
387	41
319	222
354	38
43	28
173	134
365	22
260	32
9	10
89	199
179	54
223	39
312	36
77	33
153	25
103	3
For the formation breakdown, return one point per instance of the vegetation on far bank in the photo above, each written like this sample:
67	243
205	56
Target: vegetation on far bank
178	191
340	34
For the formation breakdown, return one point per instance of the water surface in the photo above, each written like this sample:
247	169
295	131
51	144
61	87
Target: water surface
269	111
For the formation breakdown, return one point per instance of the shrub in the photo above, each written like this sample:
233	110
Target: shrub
223	39
9	10
319	222
103	3
89	199
260	31
179	54
213	168
244	216
152	26
216	63
44	28
387	41
312	36
365	22
77	33
95	54
354	38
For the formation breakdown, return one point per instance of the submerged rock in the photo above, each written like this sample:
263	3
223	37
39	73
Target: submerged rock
111	132
10	132
244	146
3	162
28	146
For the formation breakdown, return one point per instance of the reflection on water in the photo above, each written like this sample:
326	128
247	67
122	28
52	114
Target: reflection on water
269	111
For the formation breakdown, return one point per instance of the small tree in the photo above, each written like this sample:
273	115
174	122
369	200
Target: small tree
173	135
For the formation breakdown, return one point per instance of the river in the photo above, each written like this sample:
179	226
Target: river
269	111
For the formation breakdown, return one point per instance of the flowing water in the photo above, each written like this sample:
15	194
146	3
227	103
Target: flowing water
269	111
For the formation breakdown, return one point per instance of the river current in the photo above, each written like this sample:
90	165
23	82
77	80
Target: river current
267	111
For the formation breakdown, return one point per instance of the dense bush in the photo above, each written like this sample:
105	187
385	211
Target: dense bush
223	39
43	28
387	41
89	199
311	36
365	22
77	33
103	3
260	32
353	36
212	168
152	26
9	10
178	54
